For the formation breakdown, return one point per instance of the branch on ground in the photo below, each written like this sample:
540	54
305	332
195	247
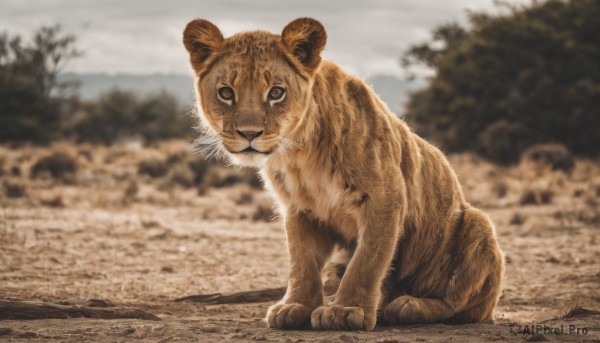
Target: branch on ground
258	296
14	310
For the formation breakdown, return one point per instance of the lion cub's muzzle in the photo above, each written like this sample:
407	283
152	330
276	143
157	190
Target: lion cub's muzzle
249	128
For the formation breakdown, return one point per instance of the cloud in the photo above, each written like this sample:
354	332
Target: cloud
138	36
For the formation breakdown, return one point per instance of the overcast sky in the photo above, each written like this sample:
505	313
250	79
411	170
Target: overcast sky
144	36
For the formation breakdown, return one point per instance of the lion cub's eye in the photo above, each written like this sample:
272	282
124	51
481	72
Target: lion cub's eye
276	94
226	95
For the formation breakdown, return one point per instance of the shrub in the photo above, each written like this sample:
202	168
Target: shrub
536	197
246	177
517	219
130	192
108	120
160	117
528	198
119	115
58	165
153	167
500	188
555	156
15	171
181	175
199	166
14	189
264	213
53	201
503	142
245	198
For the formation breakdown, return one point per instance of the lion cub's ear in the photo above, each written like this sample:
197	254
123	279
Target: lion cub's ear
305	38
202	39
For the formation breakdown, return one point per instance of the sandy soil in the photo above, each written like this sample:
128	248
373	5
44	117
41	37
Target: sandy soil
103	231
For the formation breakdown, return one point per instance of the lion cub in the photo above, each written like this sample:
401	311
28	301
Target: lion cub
349	176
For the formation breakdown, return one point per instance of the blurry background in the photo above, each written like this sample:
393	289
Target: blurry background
137	44
493	78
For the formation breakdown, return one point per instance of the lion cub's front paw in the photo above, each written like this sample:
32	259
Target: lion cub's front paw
336	317
289	316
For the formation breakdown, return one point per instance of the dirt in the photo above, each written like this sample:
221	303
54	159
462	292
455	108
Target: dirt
105	232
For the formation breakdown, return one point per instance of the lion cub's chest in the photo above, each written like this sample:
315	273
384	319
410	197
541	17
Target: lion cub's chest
315	191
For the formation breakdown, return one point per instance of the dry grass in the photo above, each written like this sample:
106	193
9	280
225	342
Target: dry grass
109	177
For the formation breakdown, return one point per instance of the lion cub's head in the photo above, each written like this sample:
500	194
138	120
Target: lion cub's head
254	87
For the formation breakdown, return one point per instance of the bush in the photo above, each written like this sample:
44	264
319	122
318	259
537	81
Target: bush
536	197
159	117
535	66
182	175
53	201
119	115
249	178
245	198
264	213
14	189
58	165
153	167
503	142
199	166
15	171
555	156
108	120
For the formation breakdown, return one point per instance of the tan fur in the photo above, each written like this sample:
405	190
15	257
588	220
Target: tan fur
350	177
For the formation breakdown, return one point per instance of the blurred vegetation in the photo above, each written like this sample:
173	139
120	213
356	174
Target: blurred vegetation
509	81
32	101
502	84
36	107
120	115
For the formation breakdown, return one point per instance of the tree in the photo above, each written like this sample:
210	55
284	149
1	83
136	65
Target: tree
533	70
31	98
36	107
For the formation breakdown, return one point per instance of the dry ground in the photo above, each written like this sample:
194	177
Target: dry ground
141	226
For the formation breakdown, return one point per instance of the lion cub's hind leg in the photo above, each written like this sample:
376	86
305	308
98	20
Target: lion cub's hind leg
334	271
474	287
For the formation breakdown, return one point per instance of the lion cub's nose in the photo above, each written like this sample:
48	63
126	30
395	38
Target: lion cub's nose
249	135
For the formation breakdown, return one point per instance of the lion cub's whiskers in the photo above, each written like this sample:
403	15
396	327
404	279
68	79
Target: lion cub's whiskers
208	144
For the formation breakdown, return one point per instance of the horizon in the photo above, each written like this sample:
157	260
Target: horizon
393	90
